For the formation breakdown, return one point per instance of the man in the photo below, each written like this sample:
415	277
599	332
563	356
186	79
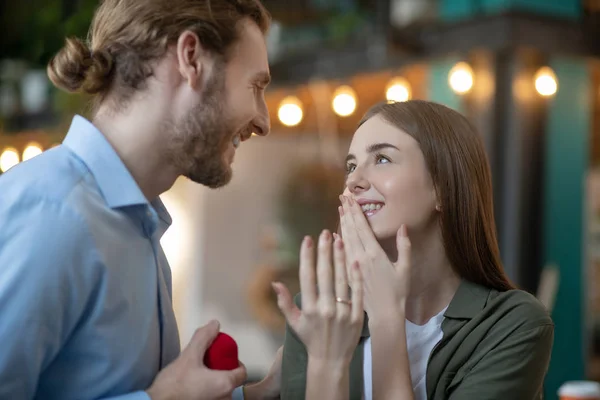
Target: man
85	288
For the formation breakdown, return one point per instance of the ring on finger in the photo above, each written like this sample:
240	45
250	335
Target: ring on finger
343	301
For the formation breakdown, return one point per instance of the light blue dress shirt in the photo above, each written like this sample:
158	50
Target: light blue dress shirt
85	288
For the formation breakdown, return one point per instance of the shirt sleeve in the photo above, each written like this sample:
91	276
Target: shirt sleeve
514	369
238	394
134	396
46	280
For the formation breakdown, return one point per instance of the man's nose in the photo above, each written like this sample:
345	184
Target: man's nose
262	123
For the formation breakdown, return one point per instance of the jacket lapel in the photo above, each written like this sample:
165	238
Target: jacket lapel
468	301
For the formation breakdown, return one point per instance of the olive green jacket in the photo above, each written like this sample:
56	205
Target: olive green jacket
495	345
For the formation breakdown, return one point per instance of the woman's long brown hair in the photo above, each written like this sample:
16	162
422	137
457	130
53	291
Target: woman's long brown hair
456	159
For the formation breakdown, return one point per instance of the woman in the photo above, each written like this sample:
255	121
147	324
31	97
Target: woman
443	321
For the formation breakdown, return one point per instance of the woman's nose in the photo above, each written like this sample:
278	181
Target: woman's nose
356	182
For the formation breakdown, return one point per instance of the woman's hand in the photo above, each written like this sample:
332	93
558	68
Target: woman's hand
386	287
329	323
270	387
386	283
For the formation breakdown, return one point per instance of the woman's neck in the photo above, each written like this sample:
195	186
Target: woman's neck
433	281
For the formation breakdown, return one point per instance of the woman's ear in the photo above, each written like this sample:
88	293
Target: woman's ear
438	201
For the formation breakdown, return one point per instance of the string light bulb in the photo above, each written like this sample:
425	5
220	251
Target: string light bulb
290	111
398	89
546	83
33	149
344	101
460	78
8	159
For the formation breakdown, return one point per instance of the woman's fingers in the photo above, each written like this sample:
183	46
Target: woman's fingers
352	244
308	284
286	304
325	272
404	249
357	293
341	280
328	329
360	225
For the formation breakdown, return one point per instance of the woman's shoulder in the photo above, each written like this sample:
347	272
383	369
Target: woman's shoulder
518	307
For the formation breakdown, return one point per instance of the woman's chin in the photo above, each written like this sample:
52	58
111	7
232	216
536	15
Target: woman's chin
384	235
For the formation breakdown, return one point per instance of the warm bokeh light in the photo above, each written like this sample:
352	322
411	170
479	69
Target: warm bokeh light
460	78
398	90
344	101
176	240
8	159
545	81
33	149
290	111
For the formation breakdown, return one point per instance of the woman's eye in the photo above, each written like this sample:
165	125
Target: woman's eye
381	159
350	168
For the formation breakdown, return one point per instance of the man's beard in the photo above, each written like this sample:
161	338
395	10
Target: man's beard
198	141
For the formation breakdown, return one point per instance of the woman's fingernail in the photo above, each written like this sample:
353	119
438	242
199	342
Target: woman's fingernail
403	231
308	241
275	288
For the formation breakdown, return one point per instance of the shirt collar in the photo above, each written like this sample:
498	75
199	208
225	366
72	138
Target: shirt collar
164	217
114	179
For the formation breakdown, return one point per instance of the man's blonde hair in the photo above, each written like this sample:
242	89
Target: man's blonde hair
126	36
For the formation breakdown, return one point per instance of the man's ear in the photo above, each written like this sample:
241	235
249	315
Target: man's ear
192	58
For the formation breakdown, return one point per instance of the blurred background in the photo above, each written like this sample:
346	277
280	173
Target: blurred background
526	72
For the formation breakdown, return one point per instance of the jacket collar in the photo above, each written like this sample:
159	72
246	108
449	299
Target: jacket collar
469	299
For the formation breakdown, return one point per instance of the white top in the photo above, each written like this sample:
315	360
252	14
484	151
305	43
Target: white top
420	340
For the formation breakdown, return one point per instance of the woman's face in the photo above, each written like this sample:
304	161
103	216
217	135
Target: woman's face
388	176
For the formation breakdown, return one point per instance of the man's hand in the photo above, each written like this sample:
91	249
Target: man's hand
188	378
270	387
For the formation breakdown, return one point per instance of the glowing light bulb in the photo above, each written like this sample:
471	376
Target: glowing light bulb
398	90
8	159
33	149
460	78
545	82
344	101
290	111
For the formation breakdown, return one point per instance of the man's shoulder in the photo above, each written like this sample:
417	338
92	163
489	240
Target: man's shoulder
50	178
